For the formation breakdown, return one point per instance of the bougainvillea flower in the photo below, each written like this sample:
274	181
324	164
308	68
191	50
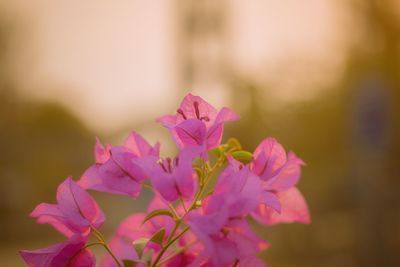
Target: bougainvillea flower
75	212
197	123
70	253
294	209
173	178
226	237
117	169
240	189
280	201
133	228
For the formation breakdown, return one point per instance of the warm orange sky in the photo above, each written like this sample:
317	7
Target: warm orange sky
114	62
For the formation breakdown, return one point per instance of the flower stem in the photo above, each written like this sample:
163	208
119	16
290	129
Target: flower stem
103	242
169	243
207	171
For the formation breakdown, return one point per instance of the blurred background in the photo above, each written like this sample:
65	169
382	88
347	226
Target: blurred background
323	77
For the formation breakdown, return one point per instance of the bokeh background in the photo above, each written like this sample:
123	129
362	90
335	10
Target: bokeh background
323	77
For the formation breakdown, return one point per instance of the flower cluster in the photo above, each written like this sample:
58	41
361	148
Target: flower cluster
203	198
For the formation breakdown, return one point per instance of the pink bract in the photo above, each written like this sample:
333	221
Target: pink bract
279	173
118	169
70	253
175	178
75	212
197	123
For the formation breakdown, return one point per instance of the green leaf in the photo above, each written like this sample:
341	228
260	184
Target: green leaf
242	156
216	151
158	212
146	258
139	245
158	237
234	143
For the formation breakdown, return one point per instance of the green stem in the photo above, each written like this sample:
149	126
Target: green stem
103	242
173	255
93	244
155	264
207	171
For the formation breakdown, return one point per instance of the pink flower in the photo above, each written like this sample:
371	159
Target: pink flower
173	178
197	123
280	201
75	212
117	169
70	253
238	188
226	237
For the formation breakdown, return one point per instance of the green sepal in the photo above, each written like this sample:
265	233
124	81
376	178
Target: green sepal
234	144
146	258
139	245
158	237
242	156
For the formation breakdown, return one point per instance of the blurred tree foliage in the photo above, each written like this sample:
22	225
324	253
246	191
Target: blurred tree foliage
41	144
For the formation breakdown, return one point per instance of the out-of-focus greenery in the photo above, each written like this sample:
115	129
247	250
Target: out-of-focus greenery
41	143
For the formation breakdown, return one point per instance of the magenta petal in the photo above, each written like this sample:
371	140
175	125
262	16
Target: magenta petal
101	154
226	114
133	228
288	176
214	135
269	157
60	254
91	179
78	206
109	178
294	208
49	213
208	224
126	161
271	200
117	181
166	186
168	121
225	252
85	258
247	242
204	109
184	173
189	133
139	146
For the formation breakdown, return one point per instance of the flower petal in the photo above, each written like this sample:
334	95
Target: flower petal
78	206
269	157
49	213
101	154
294	208
288	176
56	255
139	146
189	133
